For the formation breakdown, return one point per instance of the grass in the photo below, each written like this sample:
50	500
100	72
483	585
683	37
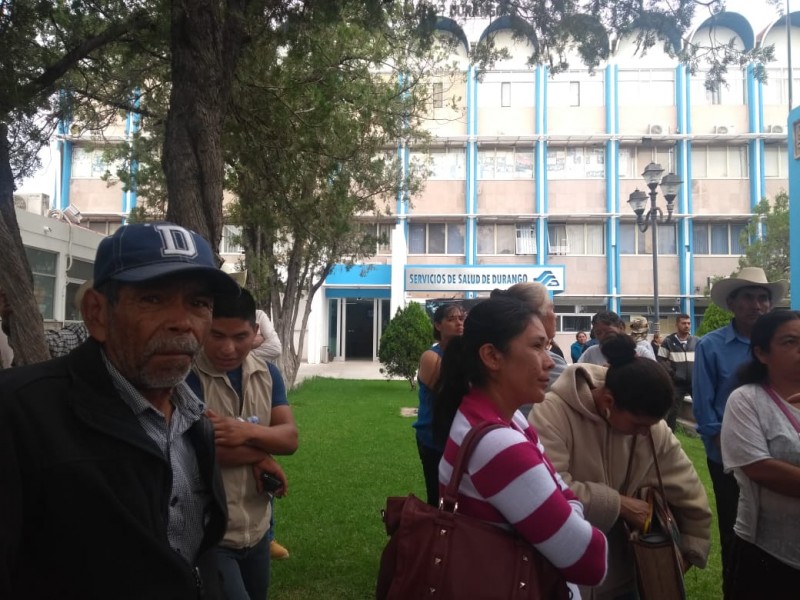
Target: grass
355	450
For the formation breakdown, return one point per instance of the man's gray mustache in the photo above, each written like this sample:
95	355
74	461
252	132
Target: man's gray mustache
181	345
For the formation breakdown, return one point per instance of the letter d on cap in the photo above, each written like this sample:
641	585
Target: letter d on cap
176	241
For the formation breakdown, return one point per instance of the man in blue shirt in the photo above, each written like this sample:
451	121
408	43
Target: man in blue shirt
718	355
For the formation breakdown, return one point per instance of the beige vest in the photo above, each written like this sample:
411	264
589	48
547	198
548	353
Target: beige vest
248	511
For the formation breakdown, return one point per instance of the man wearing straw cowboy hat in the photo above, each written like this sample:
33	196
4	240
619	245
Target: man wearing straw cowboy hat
718	355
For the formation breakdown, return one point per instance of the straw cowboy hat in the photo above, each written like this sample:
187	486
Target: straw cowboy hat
747	277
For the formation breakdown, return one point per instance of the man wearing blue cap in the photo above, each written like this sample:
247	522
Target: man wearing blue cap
109	485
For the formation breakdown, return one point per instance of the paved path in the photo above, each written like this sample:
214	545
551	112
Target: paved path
346	369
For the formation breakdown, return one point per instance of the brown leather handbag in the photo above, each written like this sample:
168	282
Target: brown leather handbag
440	553
656	549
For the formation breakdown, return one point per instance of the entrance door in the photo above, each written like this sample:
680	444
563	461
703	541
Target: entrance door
359	319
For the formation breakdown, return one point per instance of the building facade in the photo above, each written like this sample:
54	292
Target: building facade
530	177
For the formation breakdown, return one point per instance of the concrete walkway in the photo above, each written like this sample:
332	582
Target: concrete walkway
345	369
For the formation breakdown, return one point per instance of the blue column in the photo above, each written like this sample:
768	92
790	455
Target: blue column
755	147
683	160
612	189
540	162
794	208
471	200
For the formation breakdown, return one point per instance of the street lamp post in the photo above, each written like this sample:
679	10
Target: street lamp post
670	184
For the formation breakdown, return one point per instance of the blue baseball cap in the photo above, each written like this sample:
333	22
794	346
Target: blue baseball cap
143	251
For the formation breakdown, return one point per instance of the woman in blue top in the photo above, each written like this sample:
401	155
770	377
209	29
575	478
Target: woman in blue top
448	322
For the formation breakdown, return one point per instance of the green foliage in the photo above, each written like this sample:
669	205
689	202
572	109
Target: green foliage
406	337
766	240
714	318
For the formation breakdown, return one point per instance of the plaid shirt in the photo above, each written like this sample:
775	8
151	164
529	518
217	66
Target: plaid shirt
190	498
63	341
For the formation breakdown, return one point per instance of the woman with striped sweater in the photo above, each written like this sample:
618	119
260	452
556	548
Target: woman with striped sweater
500	363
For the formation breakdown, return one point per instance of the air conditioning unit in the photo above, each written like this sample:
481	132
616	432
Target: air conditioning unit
725	129
657	129
74	130
774	128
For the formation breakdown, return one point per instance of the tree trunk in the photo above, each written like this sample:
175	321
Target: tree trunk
16	280
206	41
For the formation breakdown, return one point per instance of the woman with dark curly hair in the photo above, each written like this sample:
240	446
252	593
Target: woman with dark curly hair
588	425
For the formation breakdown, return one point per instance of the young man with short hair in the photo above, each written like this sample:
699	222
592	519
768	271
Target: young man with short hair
676	353
252	421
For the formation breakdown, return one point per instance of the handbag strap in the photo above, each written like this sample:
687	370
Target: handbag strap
782	405
624	489
655	463
475	434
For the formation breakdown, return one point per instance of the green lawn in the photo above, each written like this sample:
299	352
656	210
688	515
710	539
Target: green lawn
356	449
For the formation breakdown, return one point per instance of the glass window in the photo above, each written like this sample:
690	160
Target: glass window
667	243
438	95
506	239
447	164
719	238
485	239
231	240
505	94
80	269
575	162
699	162
416	238
43	266
737	232
700	238
455	238
526	238
385	238
436	238
631	240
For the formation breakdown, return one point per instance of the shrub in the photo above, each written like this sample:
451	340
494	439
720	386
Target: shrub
406	337
714	318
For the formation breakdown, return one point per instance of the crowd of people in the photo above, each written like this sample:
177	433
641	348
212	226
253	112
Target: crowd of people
142	456
574	467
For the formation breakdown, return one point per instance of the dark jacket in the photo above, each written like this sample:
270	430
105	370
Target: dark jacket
84	491
679	361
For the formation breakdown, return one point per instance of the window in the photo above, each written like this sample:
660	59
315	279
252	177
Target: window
526	238
505	163
447	164
508	89
43	266
78	272
633	241
505	94
633	160
718	238
575	239
104	227
436	238
732	92
776	163
438	94
576	88
231	240
496	239
651	87
719	162
576	162
89	163
385	238
776	86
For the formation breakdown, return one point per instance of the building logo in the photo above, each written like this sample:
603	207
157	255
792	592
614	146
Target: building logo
549	279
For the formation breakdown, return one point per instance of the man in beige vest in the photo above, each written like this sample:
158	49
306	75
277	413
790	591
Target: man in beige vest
246	400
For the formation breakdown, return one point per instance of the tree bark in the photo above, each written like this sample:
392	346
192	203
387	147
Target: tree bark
206	38
15	273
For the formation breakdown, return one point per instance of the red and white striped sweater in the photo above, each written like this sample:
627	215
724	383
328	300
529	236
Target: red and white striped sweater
510	481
